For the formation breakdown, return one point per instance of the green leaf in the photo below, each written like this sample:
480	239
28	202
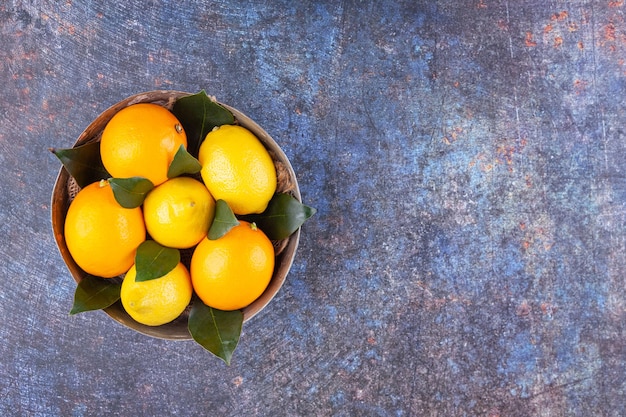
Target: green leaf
215	330
183	163
153	260
223	221
130	192
199	114
93	293
283	216
83	163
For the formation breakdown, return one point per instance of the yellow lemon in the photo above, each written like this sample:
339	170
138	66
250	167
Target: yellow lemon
157	301
178	212
238	169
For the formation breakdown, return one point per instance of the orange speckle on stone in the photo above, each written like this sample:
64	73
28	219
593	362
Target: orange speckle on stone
559	16
579	85
547	308
548	28
616	3
558	41
529	42
529	181
609	32
581	45
524	309
453	136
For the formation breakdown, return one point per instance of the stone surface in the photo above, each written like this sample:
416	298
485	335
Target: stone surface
467	162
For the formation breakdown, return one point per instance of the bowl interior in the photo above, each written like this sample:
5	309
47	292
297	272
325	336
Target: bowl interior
65	189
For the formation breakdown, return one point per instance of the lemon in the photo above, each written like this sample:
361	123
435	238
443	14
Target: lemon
238	169
157	301
178	212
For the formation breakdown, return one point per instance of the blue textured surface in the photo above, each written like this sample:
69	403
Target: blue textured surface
467	162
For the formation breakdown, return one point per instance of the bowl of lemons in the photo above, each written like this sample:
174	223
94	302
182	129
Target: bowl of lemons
178	216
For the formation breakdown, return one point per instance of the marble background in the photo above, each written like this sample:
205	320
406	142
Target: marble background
467	162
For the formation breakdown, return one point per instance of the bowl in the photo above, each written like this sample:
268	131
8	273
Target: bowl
65	188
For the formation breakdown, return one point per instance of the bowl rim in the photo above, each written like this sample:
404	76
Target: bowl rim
177	329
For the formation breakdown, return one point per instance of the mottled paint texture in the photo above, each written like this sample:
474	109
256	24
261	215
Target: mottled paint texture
467	162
